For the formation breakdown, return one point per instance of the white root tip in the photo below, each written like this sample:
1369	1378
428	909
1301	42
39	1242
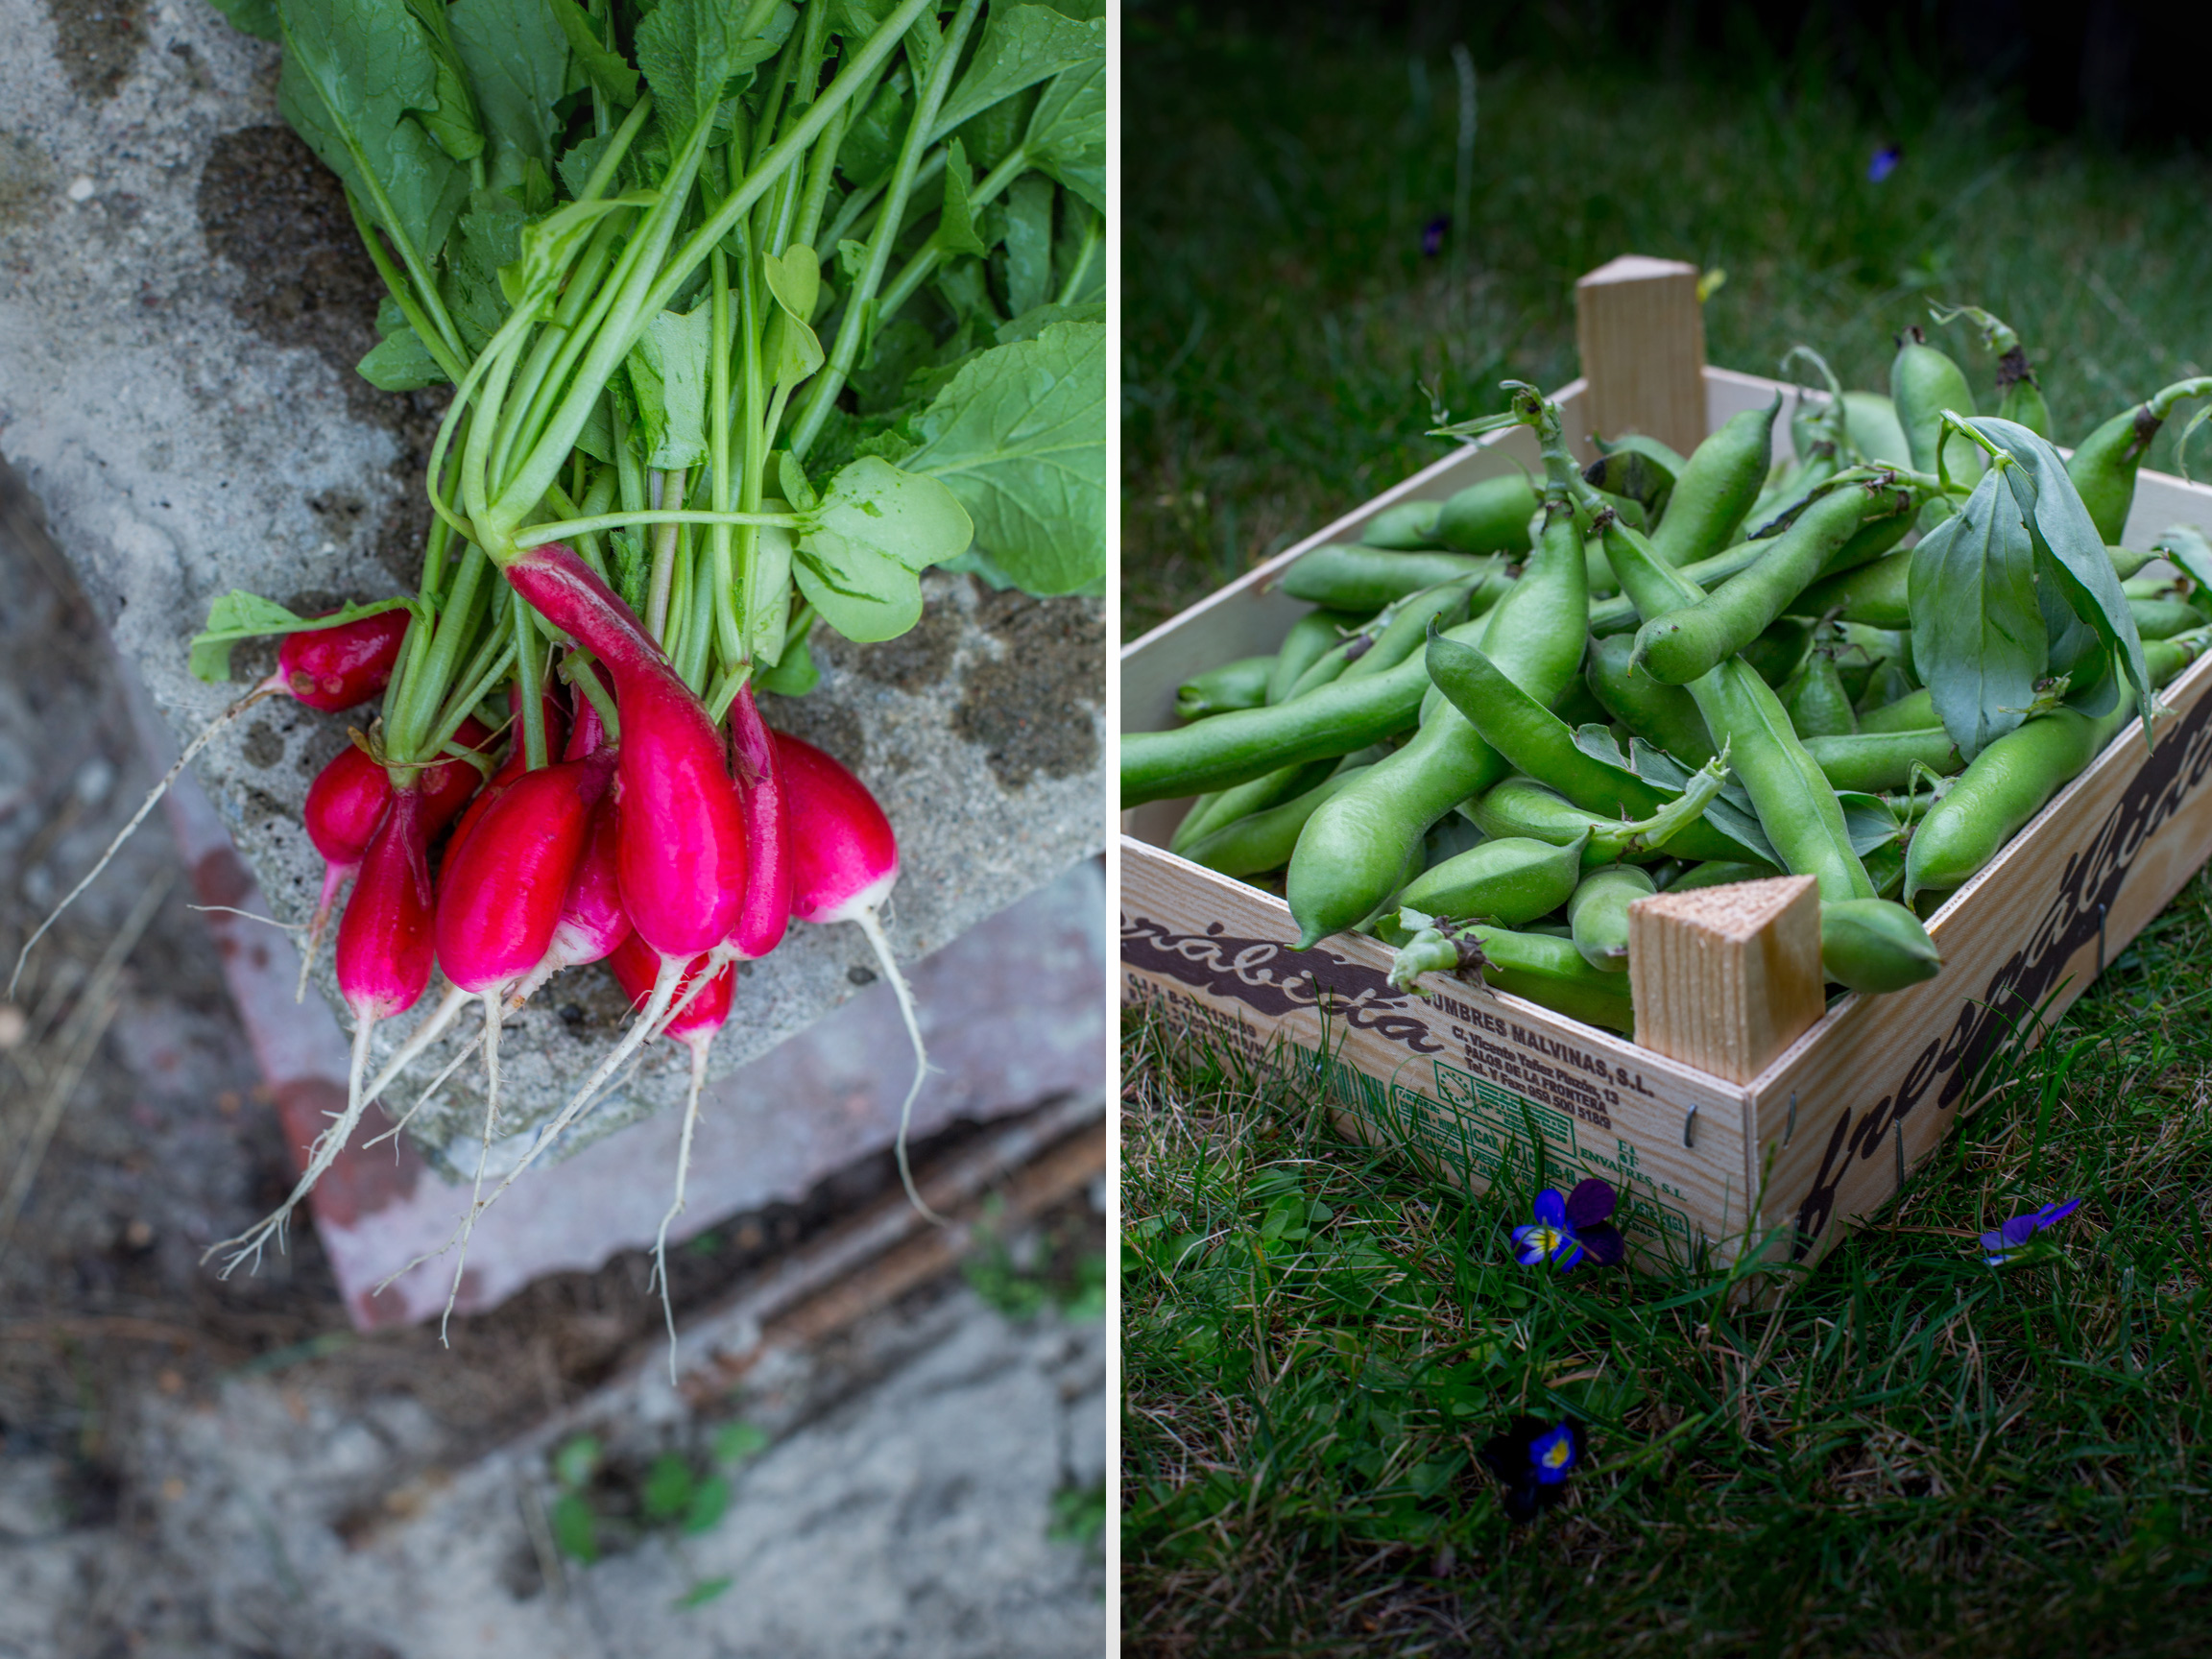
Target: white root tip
682	1174
869	924
153	800
321	1156
664	993
427	1031
492	1000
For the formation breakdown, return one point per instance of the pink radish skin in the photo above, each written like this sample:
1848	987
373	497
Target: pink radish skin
766	911
337	667
844	863
501	897
347	801
517	762
682	844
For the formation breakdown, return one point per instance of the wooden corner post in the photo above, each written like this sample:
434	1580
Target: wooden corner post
1725	979
1642	332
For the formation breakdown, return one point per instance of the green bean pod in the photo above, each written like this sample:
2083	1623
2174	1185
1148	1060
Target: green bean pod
1914	711
1401	629
1721	873
1491	517
1871	419
1715	488
1779	652
1522	806
2104	466
1816	701
1619	615
1874	946
1365	579
1665	715
1409	527
1310	638
1542	968
1874	594
1536	741
2163	619
1923	383
2006	785
1262	840
1679	645
1239	685
1880	762
1348	860
1508	881
1795	803
1250	744
1225	806
1598	915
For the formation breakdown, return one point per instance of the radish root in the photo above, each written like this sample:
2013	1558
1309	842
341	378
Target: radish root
153	800
664	993
324	1153
682	1174
874	928
492	1018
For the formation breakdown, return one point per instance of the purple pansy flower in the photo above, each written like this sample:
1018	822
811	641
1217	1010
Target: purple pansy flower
1999	1246
1567	1229
1884	162
1533	1459
1432	235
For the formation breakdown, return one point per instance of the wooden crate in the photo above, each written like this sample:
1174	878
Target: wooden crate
1470	1081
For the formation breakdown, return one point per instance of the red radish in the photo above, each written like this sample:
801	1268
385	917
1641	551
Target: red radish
336	667
681	846
517	763
502	892
844	862
326	668
386	946
695	1024
347	801
766	912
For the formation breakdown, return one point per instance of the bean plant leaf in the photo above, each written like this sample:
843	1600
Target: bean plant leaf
1020	46
2077	564
1979	638
864	545
518	61
1067	137
240	615
357	74
607	69
2187	549
668	375
1019	436
1730	811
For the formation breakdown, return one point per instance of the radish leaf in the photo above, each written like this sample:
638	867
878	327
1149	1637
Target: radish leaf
1068	134
1022	46
1019	436
518	61
874	531
668	375
240	615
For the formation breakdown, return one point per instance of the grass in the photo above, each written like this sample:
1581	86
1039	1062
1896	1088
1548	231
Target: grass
1280	320
1914	1454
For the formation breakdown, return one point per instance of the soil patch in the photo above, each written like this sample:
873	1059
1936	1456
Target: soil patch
1033	710
97	41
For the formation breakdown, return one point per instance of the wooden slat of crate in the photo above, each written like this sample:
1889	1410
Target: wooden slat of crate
1459	1077
1880	1081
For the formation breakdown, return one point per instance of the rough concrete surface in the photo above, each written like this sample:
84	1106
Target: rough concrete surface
173	386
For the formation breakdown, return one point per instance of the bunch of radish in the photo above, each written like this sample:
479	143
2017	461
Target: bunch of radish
655	480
